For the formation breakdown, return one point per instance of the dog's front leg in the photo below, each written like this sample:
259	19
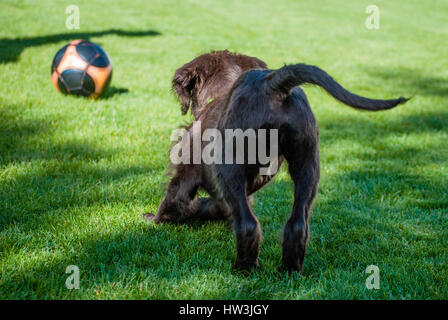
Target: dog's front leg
178	203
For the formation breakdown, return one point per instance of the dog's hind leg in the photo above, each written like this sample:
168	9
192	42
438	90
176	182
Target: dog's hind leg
208	209
211	209
245	224
304	169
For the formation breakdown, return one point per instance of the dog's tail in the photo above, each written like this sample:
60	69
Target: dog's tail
286	78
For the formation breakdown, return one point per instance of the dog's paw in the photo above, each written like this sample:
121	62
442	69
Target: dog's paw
244	266
148	216
296	268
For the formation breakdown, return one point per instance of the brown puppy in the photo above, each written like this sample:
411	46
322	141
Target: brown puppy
229	91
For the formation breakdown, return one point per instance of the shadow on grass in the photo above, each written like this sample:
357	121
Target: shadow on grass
20	141
354	127
49	175
10	49
356	213
161	255
112	91
412	80
346	232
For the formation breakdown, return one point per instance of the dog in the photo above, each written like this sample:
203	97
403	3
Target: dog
231	91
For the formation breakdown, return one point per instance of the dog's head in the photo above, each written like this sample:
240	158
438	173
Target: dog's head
209	77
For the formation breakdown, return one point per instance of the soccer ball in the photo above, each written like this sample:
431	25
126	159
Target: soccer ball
81	68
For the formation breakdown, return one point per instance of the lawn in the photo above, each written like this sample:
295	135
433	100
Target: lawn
76	174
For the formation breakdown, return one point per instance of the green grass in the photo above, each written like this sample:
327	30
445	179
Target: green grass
76	174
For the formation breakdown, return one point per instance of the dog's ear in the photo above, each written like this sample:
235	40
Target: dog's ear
183	82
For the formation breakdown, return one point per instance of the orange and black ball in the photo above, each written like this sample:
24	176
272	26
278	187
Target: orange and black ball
81	68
